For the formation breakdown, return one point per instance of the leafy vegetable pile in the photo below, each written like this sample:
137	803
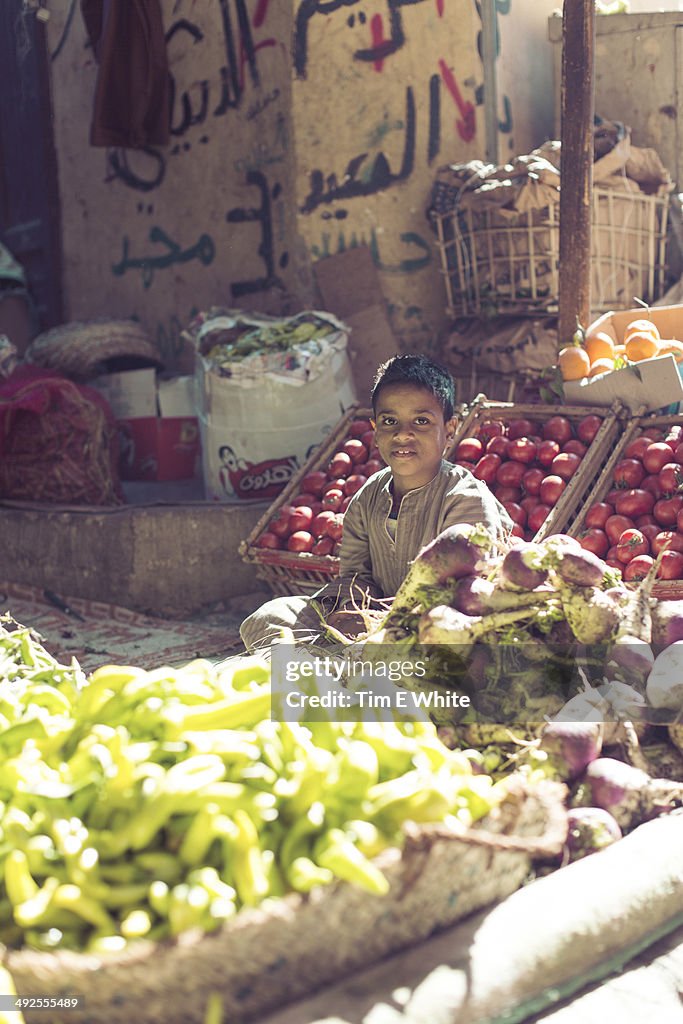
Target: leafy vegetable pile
140	804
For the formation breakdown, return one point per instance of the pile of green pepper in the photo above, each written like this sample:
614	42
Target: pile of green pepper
138	804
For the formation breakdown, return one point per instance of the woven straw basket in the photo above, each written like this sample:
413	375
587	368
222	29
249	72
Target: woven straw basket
289	947
81	349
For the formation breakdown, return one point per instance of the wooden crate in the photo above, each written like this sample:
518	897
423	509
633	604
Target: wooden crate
599	451
298	572
667	589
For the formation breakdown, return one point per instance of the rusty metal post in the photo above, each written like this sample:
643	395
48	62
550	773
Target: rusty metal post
578	51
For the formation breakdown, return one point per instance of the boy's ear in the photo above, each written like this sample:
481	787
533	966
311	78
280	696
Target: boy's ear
451	426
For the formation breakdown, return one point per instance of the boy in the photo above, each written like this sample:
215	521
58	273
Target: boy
398	510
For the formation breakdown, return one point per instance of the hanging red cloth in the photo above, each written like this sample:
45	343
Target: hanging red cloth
132	93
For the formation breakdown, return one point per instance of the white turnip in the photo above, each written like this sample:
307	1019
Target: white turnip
459	551
571	746
444	625
580	568
630	795
667	622
521	568
590	829
593	616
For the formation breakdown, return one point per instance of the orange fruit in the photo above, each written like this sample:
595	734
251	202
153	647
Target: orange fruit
574	362
619	350
599	346
673	346
642	326
641	346
601	366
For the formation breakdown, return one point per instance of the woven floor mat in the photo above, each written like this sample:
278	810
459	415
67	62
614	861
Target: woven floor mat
97	634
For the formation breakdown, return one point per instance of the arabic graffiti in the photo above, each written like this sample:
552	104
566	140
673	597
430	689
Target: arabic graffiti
203	250
146	176
465	124
263	216
408	265
375	178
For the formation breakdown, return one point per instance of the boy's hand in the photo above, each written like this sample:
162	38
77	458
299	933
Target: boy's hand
351	624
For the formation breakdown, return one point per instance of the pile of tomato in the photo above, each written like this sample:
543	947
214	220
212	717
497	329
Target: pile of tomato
642	513
313	520
528	465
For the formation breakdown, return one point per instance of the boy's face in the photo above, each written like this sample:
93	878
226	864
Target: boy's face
411	434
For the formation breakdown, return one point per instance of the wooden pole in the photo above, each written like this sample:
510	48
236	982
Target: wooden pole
578	46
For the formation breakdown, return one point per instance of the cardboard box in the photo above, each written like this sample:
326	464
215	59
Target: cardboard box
651	383
158	425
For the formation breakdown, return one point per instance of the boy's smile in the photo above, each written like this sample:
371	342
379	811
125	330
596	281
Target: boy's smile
411	434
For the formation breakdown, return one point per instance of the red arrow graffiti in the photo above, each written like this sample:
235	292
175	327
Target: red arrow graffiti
466	126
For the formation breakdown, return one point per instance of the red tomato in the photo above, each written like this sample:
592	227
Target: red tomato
612	553
670	477
656	455
516	512
269	540
359	427
679	521
666	510
491	428
518	531
301	540
498	446
356	450
673	437
319	523
588	428
314	482
650	531
301	518
668	540
558	428
596	541
630	544
368	439
638	568
598	514
332	499
353	484
655	433
615	526
634	502
335	527
646	520
279	524
551	489
678	454
565	465
340	464
373	466
575	447
538	516
636	448
470	449
530	502
547	450
628	473
531	481
671	566
520	428
323	546
611	496
335	484
487	467
651	483
507	493
346	501
521	449
309	500
510	474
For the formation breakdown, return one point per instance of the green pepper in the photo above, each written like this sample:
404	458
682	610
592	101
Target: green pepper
338	854
246	862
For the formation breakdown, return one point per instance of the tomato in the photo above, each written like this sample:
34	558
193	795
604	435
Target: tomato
630	544
670	477
356	450
307	500
279	524
538	516
628	473
510	474
679	521
353	484
650	532
470	449
491	428
565	465
615	526
588	428
655	433
332	499
498	446
673	437
301	540
559	429
301	518
335	527
520	428
598	514
531	481
671	566
487	467
611	496
638	568
323	546
368	439
269	540
373	466
668	540
546	452
522	450
596	541
656	455
314	482
634	502
507	493
678	454
518	531
359	427
551	489
530	502
575	447
319	523
340	464
636	448
646	520
651	483
516	512
666	510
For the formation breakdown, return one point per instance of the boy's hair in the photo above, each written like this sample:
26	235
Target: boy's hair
420	371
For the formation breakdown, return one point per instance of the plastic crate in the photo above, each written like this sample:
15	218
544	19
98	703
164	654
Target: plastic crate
571	501
666	589
299	572
497	262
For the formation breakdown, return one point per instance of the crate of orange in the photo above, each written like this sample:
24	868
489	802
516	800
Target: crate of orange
634	355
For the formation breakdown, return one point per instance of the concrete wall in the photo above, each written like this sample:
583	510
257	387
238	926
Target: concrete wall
323	132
